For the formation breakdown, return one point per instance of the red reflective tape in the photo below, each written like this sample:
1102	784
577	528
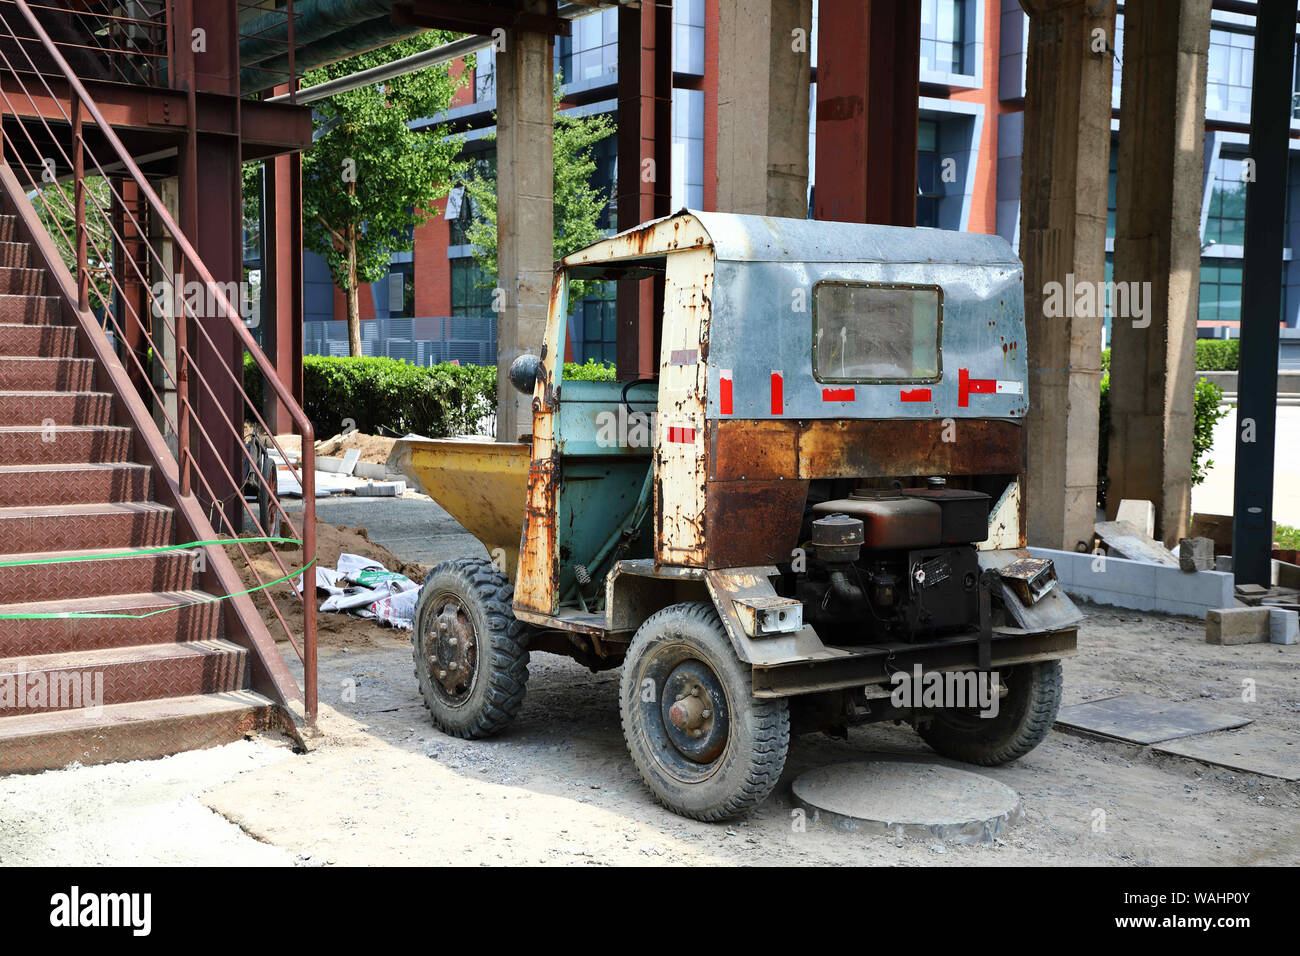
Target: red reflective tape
778	394
914	395
685	436
983	386
963	388
837	395
724	391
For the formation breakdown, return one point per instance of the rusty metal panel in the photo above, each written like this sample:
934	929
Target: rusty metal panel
680	460
858	448
753	522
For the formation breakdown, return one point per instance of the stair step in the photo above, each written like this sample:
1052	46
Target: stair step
8	228
22	485
72	680
15	254
185	615
139	524
43	575
63	408
139	730
28	372
30	309
22	281
58	341
67	444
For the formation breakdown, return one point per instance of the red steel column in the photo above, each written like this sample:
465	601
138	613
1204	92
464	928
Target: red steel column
868	69
645	143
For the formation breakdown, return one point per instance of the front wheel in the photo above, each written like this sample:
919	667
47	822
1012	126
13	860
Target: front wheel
1024	717
471	654
704	745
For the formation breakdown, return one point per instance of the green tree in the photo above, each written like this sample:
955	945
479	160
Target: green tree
369	180
577	203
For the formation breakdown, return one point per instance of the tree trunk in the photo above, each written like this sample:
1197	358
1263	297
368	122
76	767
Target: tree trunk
354	302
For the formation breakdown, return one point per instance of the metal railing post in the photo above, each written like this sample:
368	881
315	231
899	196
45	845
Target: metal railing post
79	202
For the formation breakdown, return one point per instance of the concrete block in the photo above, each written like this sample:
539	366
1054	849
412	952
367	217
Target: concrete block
1192	594
1196	554
1283	626
381	489
1223	562
1237	625
1139	513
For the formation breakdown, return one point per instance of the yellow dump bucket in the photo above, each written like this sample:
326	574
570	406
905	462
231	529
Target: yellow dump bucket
481	483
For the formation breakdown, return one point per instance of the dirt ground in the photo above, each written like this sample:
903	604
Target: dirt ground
332	630
381	785
374	448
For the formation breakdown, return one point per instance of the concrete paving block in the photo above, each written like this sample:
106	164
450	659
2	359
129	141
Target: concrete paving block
1140	513
1196	554
1223	562
1116	574
1283	626
381	489
1286	574
1237	625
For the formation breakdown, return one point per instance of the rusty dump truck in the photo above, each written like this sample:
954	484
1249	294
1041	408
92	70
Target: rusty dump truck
817	497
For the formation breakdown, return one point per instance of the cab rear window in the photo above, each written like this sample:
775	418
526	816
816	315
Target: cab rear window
870	332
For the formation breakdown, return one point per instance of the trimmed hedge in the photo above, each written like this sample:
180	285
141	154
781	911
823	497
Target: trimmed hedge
1208	411
390	396
1212	355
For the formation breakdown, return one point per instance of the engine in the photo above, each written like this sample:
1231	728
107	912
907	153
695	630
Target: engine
895	564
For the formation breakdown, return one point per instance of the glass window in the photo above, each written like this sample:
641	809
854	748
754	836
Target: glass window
1229	73
471	293
876	333
1226	222
945	45
929	186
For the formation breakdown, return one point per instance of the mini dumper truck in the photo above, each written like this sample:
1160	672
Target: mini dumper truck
817	498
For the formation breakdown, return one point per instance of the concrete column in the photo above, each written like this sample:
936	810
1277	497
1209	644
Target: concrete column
1157	248
1063	239
525	211
763	77
868	81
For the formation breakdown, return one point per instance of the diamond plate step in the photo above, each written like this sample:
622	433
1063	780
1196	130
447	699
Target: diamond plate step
8	228
81	483
30	309
22	372
19	338
43	576
16	254
186	616
22	281
138	524
139	730
67	444
72	680
63	408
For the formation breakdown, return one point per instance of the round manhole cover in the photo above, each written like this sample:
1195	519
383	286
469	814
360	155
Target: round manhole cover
908	799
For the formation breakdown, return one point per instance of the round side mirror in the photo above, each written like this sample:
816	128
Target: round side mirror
523	372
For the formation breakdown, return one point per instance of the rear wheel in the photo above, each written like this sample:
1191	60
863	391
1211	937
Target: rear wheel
704	745
471	654
1024	717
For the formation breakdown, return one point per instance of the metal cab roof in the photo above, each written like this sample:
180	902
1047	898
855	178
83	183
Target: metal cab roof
741	238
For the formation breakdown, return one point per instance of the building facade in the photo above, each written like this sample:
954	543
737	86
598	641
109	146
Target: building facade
436	304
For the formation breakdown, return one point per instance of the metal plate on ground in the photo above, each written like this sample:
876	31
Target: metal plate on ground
908	799
1140	719
1247	751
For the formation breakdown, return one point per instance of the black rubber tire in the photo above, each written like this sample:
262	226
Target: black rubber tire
1024	717
758	731
501	672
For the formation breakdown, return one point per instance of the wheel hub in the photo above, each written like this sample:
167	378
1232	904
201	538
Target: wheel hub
694	708
452	650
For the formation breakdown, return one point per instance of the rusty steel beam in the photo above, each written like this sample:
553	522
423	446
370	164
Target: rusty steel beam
478	19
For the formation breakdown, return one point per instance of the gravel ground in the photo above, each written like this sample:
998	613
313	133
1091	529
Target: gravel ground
381	785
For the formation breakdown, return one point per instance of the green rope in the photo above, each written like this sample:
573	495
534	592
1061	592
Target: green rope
105	615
